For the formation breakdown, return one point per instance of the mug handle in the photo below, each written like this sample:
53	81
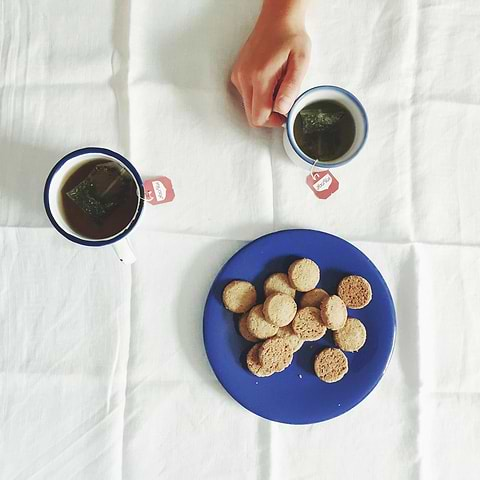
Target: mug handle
124	251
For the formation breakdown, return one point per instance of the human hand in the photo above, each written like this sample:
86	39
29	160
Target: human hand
271	65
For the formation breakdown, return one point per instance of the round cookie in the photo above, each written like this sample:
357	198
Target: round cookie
313	298
239	296
352	337
258	326
330	365
307	324
355	291
275	353
290	337
254	365
278	283
279	309
242	328
333	312
304	274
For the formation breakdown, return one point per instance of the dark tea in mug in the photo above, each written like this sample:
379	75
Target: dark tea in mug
99	199
324	130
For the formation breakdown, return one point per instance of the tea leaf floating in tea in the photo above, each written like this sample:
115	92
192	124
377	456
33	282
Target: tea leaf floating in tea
102	190
315	120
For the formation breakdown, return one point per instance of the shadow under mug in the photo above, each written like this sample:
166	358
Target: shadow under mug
52	199
336	94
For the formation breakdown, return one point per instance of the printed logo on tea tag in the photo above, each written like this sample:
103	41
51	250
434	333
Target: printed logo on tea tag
158	190
323	184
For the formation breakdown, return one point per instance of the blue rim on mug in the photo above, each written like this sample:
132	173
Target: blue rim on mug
291	138
77	153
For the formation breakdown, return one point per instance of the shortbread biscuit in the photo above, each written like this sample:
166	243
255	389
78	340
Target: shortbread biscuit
254	365
279	309
307	324
313	298
290	337
330	365
239	296
333	312
275	353
258	326
242	328
278	283
304	274
355	291
352	337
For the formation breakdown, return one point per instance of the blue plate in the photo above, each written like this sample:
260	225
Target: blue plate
296	395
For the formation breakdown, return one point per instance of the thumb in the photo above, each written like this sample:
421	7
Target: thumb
297	65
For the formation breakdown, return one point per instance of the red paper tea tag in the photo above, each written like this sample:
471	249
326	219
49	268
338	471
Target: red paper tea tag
322	184
158	190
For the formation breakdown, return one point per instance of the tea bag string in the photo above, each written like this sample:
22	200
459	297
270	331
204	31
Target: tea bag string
148	197
312	173
122	171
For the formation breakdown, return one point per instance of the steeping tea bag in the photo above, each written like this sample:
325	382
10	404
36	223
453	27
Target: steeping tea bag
316	120
104	189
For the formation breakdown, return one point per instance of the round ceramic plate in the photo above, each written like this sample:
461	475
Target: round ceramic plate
296	395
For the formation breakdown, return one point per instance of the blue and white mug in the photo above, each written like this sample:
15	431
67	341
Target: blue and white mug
315	94
52	200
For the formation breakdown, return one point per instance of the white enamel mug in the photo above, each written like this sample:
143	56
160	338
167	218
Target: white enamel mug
52	195
347	100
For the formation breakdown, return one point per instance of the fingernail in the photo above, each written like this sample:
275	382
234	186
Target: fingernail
283	105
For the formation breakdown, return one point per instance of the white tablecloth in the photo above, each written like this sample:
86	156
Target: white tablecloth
102	368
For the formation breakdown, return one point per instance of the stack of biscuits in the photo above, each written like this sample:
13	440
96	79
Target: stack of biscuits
279	327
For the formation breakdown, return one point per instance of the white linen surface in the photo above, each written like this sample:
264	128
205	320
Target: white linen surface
102	369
